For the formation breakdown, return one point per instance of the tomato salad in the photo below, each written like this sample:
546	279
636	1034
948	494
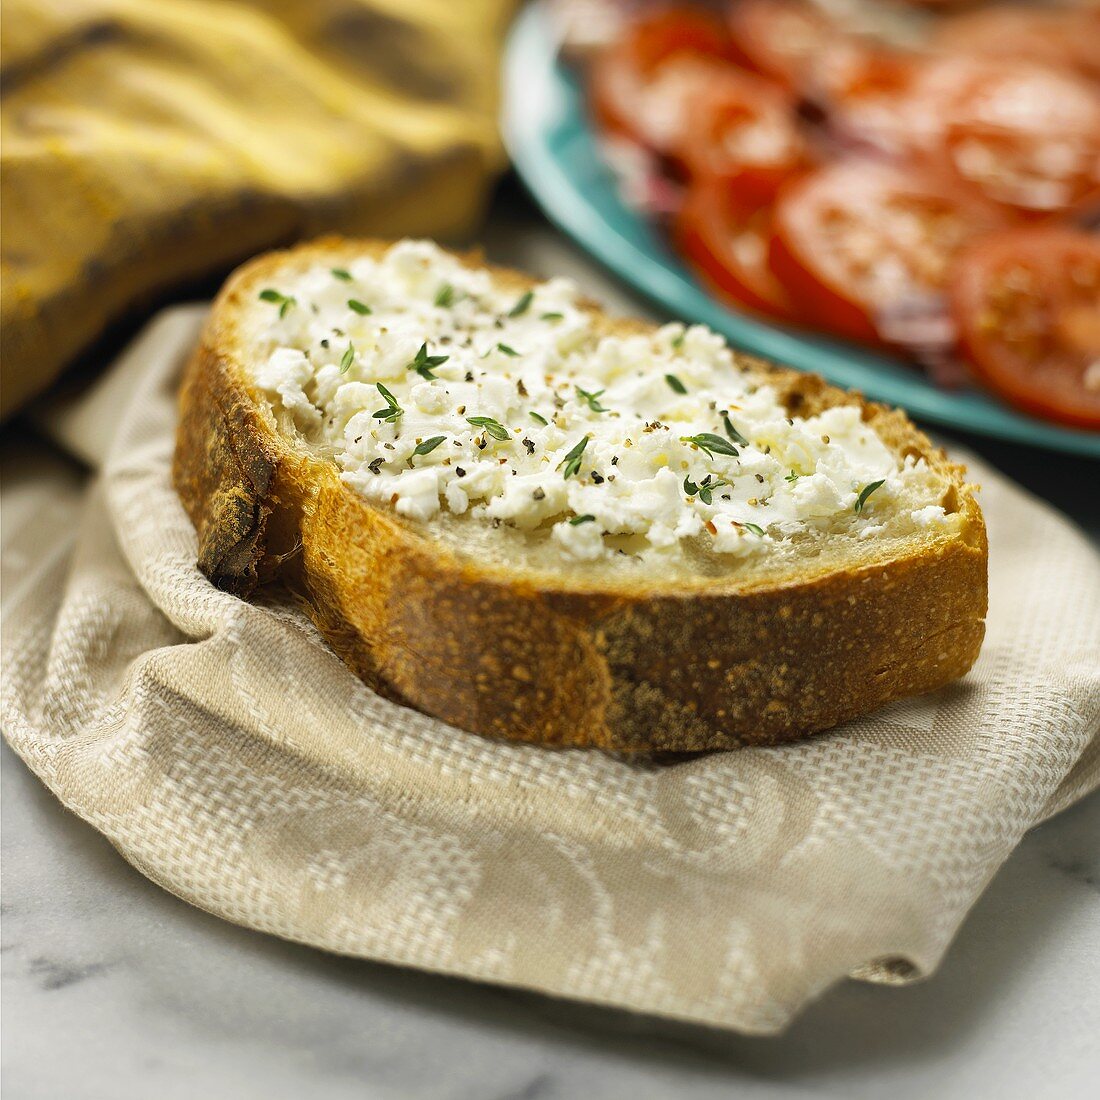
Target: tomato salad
942	203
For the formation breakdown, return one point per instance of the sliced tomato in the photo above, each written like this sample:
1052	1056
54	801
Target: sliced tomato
743	130
1027	306
862	247
726	242
1067	38
780	38
1021	135
640	86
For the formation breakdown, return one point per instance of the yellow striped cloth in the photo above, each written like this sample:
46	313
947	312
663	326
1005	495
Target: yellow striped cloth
145	145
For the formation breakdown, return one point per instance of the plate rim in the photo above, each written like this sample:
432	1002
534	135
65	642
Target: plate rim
534	88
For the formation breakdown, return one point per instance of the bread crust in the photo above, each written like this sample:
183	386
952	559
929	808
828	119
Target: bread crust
535	656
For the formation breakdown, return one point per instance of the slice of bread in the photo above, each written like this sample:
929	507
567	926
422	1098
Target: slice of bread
512	512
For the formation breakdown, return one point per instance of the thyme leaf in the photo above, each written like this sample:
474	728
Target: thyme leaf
491	426
429	445
572	461
591	399
348	358
522	304
732	432
867	490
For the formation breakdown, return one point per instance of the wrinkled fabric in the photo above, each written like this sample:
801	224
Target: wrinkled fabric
147	145
233	759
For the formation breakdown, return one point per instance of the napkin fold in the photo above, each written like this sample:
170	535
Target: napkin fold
148	145
233	759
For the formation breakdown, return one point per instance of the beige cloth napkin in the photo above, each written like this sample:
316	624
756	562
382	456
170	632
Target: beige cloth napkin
234	760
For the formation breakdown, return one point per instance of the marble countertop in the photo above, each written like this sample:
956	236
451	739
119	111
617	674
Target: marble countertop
115	990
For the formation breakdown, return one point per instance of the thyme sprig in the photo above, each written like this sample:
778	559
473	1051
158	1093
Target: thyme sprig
392	410
423	363
705	487
591	399
712	444
491	426
284	301
571	464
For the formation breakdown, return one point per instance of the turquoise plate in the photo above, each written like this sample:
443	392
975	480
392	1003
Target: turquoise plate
552	146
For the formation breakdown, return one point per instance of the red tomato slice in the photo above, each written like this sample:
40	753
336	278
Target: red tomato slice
640	86
780	38
1027	305
860	246
726	243
743	131
1024	136
1065	38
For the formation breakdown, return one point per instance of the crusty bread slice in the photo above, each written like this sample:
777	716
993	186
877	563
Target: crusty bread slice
708	656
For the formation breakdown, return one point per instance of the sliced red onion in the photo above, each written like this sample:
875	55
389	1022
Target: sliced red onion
643	184
948	371
585	27
920	324
922	327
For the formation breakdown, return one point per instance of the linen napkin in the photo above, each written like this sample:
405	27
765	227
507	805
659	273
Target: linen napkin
233	759
147	145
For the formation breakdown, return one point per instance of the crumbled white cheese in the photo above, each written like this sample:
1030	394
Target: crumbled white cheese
929	516
592	425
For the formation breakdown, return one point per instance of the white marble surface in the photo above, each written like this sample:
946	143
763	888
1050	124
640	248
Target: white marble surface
114	990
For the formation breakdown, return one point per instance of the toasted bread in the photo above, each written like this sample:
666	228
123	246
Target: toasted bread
496	631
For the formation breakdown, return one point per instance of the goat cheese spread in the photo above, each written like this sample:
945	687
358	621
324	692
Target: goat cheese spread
436	388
